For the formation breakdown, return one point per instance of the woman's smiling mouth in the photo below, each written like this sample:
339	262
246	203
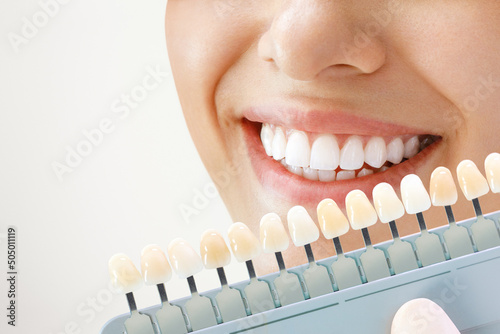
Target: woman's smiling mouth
306	166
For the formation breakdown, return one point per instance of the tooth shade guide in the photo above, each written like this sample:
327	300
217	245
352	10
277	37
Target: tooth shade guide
169	317
492	169
373	260
199	309
484	231
229	300
125	278
429	247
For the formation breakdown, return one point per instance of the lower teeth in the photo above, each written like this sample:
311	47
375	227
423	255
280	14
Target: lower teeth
337	175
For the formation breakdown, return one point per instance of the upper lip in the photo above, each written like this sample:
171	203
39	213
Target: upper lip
326	121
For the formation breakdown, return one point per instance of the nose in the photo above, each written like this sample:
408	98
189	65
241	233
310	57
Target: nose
312	38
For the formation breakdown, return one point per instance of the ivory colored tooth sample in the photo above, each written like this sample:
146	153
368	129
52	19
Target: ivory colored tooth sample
243	242
302	228
442	188
360	211
213	250
273	236
492	168
427	312
472	182
125	277
387	203
183	258
332	221
154	265
415	197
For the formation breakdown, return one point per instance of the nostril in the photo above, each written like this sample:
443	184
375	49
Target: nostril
266	48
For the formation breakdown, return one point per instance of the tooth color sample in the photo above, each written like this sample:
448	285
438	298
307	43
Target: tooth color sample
332	221
352	155
124	275
472	182
395	150
183	258
213	250
243	242
298	151
273	236
278	144
302	228
387	203
325	153
376	152
415	197
422	316
442	188
154	265
266	136
492	168
360	212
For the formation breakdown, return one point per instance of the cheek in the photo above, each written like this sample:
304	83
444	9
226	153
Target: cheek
203	42
204	39
455	48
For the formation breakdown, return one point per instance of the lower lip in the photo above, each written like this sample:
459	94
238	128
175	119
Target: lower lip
276	178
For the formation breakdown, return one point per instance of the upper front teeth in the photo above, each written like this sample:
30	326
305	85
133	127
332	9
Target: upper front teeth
352	154
320	159
298	151
325	153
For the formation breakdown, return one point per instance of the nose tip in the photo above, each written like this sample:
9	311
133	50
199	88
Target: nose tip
316	41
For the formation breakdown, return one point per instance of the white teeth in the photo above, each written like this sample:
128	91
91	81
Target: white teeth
185	261
273	236
412	147
279	144
376	152
415	197
325	153
365	172
326	175
302	228
266	136
310	174
492	168
326	161
295	170
352	155
395	150
346	175
387	203
298	151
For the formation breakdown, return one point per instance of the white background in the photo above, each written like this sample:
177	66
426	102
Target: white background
125	194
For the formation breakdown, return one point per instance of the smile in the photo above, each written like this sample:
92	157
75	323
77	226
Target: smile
328	157
304	157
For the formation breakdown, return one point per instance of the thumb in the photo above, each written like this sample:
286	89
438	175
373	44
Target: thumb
419	316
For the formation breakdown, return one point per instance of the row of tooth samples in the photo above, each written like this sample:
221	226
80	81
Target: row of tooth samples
321	160
289	287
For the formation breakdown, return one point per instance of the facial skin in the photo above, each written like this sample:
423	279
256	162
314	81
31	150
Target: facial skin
370	67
